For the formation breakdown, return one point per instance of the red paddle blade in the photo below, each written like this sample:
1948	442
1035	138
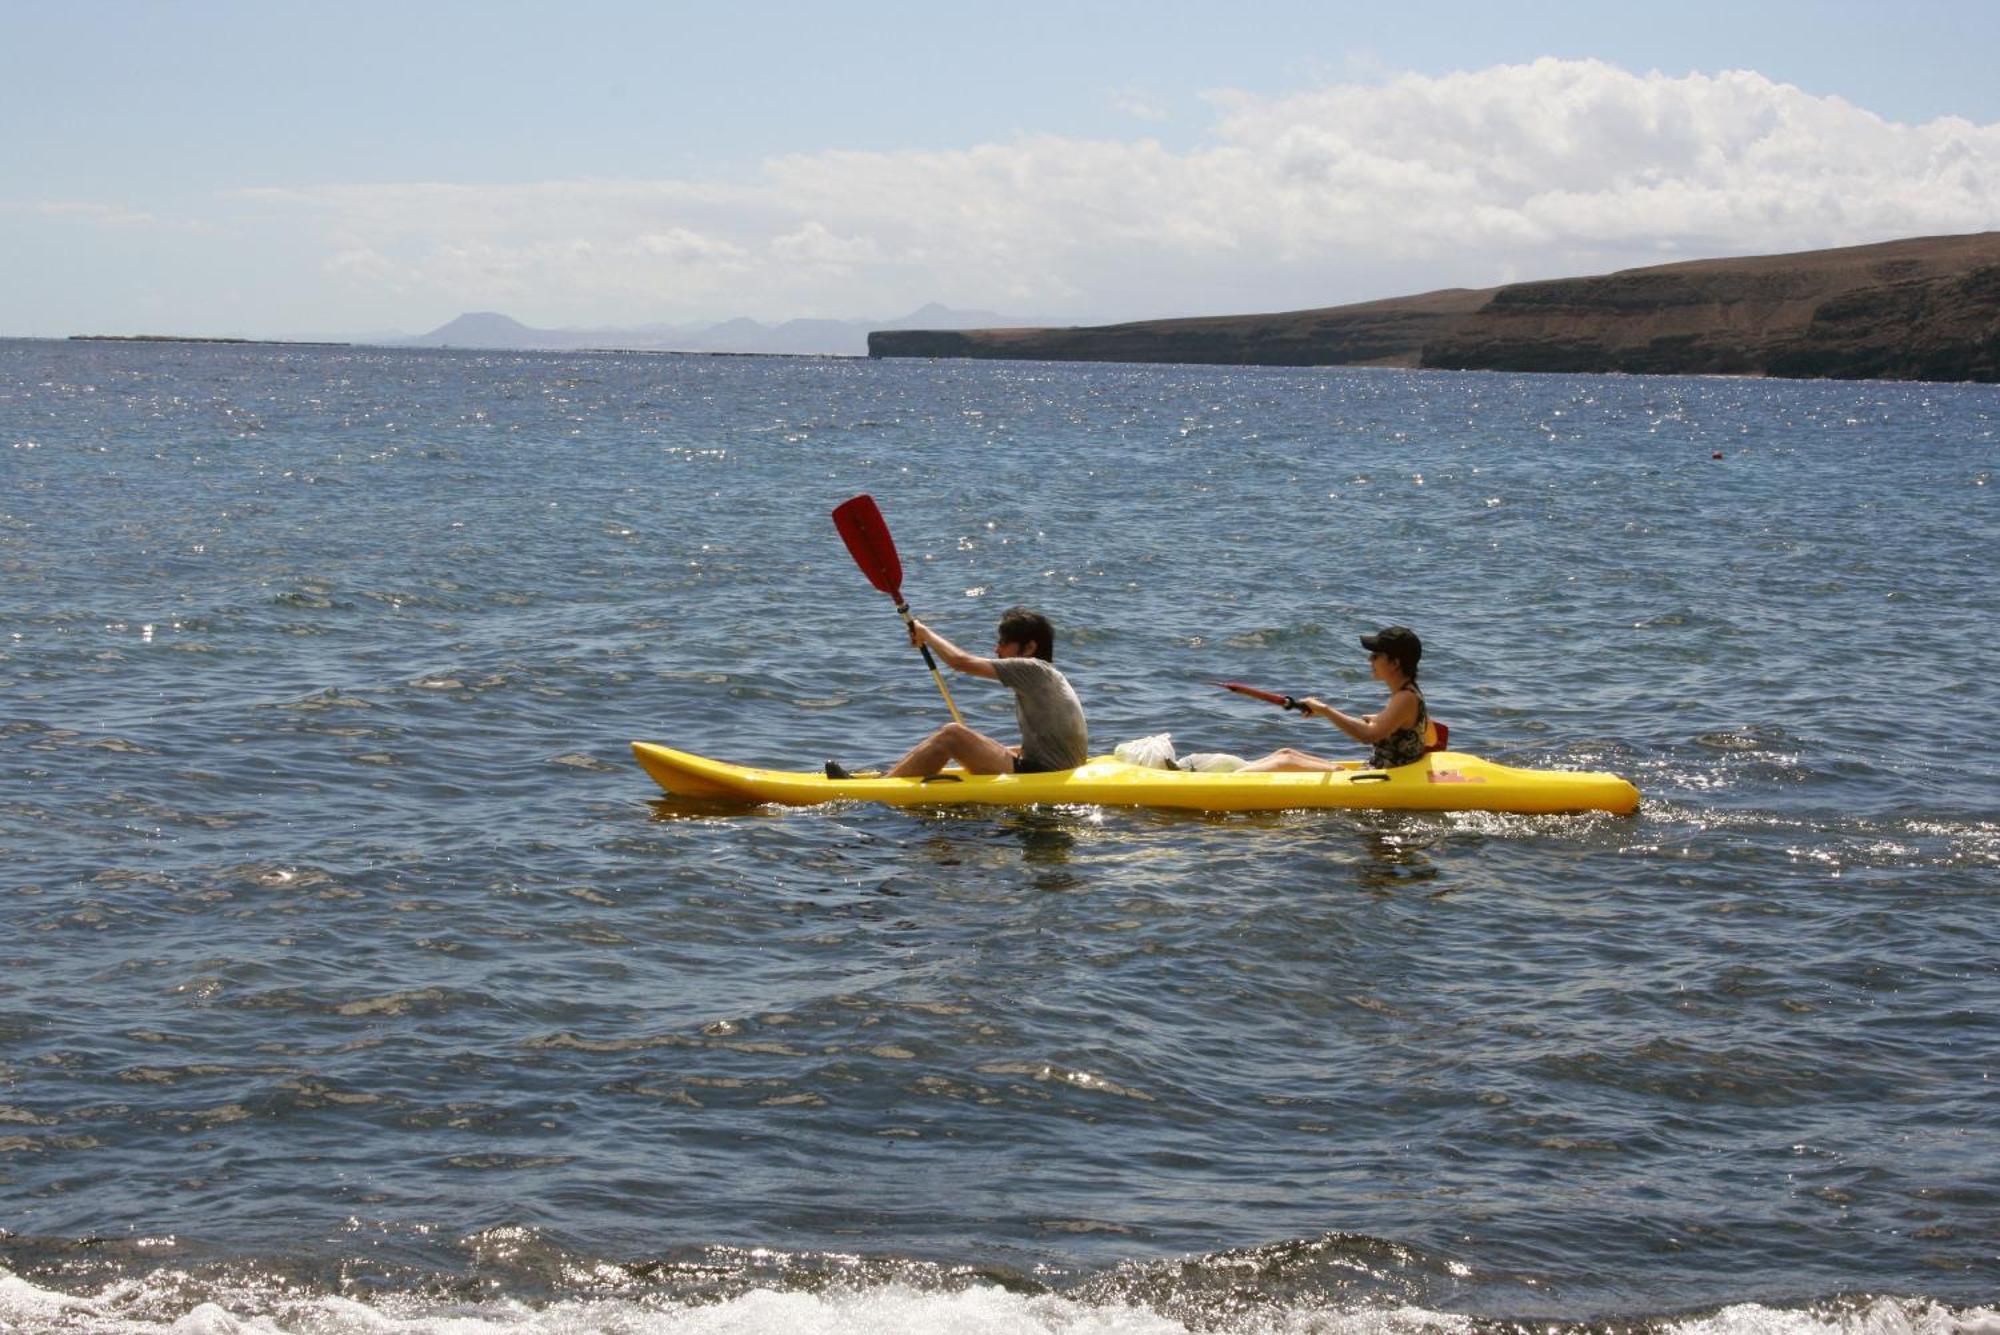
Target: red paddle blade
868	542
1268	697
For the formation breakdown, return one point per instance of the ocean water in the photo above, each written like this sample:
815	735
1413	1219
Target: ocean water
352	978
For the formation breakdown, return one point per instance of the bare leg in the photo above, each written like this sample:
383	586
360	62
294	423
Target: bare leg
1288	759
975	752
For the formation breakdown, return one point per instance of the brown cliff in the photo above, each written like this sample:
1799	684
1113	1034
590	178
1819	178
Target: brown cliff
1920	309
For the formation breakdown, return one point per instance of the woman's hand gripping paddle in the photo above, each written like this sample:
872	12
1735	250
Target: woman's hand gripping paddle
1437	737
868	542
1268	697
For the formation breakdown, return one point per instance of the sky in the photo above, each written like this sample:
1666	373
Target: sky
297	169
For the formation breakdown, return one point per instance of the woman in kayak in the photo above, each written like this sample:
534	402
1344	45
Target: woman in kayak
1397	731
1053	733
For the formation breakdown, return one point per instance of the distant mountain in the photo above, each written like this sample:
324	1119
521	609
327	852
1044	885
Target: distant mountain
934	316
807	337
490	329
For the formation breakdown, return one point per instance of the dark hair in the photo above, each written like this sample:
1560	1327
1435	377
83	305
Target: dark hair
1020	626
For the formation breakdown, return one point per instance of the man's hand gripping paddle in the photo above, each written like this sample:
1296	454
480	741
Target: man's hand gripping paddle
868	542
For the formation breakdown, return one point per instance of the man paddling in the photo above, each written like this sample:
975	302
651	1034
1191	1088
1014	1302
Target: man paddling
1054	735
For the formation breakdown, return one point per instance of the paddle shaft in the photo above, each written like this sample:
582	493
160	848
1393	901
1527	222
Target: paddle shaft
1268	697
903	610
866	534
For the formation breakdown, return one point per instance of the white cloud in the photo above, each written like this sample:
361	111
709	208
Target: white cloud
815	246
688	247
1343	193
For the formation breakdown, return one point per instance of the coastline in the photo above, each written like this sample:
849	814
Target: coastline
444	347
197	338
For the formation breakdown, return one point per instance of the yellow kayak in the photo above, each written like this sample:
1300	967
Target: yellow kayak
1441	781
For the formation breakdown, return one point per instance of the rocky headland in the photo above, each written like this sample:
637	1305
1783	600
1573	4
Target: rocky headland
1926	308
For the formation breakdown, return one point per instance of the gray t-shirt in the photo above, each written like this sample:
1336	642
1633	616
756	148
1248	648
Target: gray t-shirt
1053	733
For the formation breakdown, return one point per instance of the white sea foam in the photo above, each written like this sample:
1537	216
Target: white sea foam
21	1304
130	1308
1885	1316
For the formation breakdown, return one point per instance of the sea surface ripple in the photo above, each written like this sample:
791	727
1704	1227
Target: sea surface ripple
352	976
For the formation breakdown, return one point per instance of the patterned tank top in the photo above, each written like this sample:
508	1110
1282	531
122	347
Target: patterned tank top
1405	745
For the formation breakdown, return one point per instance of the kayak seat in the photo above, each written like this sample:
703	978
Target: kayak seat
1439	738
